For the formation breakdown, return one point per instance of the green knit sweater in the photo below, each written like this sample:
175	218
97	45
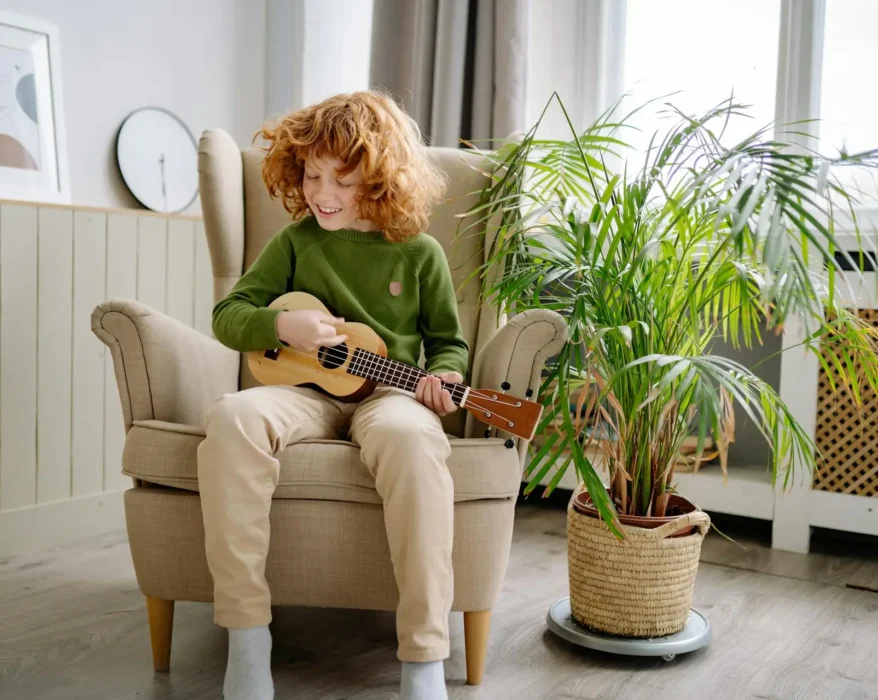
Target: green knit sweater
403	291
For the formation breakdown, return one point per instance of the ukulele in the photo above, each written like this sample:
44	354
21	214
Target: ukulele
351	371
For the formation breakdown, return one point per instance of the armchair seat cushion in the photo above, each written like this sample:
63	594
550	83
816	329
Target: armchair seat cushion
165	453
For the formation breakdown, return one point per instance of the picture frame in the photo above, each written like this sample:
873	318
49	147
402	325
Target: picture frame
33	139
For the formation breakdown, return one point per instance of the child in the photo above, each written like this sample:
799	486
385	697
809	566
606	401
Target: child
355	177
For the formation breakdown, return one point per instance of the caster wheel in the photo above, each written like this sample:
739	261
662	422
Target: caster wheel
669	657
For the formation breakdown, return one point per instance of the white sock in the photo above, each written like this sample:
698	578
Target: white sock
248	670
423	681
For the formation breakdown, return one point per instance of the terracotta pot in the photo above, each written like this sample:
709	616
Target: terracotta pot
677	505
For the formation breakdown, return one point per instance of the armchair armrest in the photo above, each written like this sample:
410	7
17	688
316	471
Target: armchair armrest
164	369
516	354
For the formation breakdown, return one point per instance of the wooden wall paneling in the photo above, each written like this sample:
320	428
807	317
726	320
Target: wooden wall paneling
54	354
89	290
18	355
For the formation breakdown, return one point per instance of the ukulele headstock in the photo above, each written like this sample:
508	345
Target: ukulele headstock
509	413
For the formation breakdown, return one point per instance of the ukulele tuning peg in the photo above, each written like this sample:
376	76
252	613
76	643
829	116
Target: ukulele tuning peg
529	393
510	443
505	386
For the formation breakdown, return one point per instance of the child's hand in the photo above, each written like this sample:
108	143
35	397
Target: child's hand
307	329
430	392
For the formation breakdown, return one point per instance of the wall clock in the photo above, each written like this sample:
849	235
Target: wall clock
158	159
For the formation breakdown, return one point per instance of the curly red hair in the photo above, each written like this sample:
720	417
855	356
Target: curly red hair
400	184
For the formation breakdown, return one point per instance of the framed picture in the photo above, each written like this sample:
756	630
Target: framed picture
33	144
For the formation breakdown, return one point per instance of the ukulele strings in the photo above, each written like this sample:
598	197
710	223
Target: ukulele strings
342	355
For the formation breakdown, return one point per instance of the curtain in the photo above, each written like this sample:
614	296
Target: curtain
458	66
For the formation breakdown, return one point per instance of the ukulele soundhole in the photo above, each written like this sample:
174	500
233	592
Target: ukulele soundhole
334	357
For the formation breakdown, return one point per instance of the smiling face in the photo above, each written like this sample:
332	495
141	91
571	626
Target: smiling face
333	198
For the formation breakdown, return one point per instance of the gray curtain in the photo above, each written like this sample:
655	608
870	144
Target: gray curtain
458	66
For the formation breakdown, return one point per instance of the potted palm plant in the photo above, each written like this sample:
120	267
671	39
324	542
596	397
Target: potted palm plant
651	262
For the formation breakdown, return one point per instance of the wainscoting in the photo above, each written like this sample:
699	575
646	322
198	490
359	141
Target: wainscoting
61	430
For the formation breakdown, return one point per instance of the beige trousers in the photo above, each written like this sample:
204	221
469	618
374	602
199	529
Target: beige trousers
403	446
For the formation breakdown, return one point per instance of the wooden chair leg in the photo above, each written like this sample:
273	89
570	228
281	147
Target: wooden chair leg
476	627
161	627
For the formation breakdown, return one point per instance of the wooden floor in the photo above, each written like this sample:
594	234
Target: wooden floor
73	625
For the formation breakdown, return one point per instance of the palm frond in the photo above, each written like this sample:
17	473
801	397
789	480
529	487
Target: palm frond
650	266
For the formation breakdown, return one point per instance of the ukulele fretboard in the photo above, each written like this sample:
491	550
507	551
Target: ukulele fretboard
395	373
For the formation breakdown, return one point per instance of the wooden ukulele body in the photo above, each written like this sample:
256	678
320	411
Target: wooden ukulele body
324	369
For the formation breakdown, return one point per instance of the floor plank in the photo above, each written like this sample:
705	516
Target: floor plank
866	577
749	548
784	626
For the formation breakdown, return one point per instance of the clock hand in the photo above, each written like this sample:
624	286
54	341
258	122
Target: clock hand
164	189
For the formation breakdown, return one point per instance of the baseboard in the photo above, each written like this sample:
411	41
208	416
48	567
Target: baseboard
35	528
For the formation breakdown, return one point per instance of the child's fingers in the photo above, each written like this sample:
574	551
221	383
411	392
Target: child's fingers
437	397
429	392
429	399
447	403
440	404
330	336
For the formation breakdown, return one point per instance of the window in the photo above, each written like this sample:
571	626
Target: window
705	52
849	103
789	60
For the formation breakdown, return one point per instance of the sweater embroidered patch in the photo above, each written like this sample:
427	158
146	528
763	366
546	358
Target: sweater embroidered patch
395	288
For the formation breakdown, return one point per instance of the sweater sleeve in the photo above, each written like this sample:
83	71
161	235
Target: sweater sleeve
445	349
241	320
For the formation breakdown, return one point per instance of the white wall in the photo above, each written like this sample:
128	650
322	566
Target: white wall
201	59
315	49
338	37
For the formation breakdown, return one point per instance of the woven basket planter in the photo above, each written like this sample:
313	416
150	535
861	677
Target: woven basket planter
640	587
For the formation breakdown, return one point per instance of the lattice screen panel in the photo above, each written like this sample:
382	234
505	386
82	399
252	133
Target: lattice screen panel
847	436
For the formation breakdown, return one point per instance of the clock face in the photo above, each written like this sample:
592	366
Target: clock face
158	158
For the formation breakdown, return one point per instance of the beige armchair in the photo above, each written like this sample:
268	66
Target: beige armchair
326	524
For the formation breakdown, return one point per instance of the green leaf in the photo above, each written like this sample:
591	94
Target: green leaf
692	241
